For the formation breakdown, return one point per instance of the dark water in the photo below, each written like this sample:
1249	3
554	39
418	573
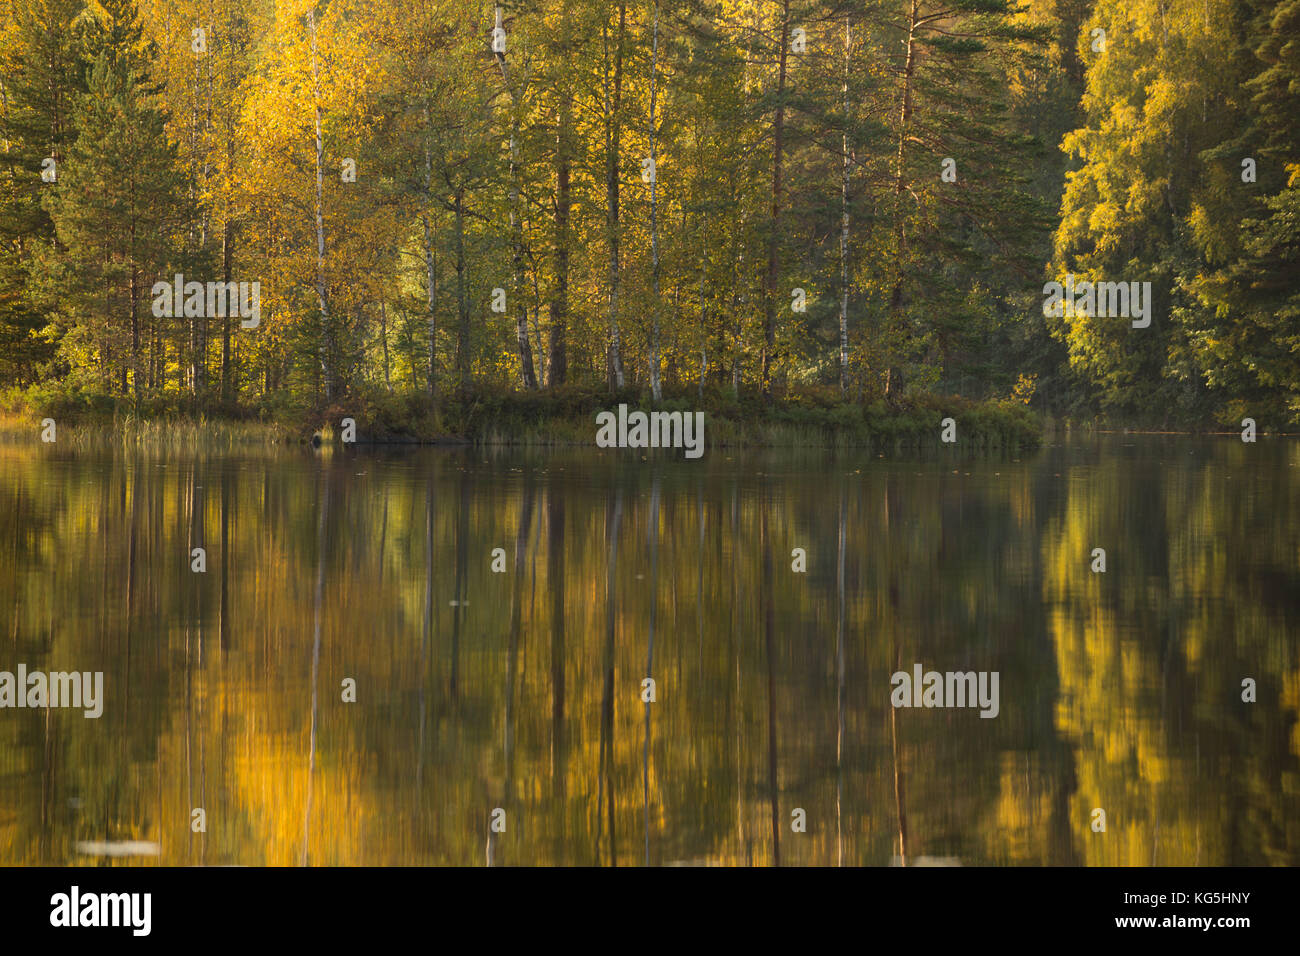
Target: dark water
522	690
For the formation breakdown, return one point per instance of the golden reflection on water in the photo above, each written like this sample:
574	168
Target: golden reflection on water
522	690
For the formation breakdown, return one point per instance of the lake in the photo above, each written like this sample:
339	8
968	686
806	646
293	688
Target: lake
433	656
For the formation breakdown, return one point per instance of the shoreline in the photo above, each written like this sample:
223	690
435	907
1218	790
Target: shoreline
547	420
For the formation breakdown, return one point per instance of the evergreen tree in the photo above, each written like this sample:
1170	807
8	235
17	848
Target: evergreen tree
116	209
1246	331
42	71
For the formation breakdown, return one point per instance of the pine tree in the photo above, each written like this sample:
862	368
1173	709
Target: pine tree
117	207
42	71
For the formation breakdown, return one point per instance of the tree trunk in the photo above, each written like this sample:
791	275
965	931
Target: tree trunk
844	221
704	334
135	334
894	377
557	365
526	368
774	239
227	248
739	302
383	337
321	296
655	388
430	270
613	144
462	296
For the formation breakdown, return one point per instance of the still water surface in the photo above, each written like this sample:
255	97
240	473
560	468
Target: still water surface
522	689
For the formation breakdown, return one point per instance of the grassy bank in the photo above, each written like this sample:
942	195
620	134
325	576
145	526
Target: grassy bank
126	431
808	419
562	416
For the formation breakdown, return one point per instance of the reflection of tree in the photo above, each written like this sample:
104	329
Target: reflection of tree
839	685
512	665
769	626
652	532
605	785
555	581
1151	656
783	701
426	621
323	510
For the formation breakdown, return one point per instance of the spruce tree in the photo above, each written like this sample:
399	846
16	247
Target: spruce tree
117	207
42	71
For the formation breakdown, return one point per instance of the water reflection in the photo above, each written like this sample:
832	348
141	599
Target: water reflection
522	690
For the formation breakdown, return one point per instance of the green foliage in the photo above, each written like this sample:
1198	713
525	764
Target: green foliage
815	417
501	232
1162	196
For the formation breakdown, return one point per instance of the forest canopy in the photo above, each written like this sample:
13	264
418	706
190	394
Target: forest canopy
857	199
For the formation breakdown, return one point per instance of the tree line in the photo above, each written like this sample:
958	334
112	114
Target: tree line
857	197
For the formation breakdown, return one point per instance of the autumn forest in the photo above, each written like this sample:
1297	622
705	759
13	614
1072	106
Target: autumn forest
818	229
835	201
